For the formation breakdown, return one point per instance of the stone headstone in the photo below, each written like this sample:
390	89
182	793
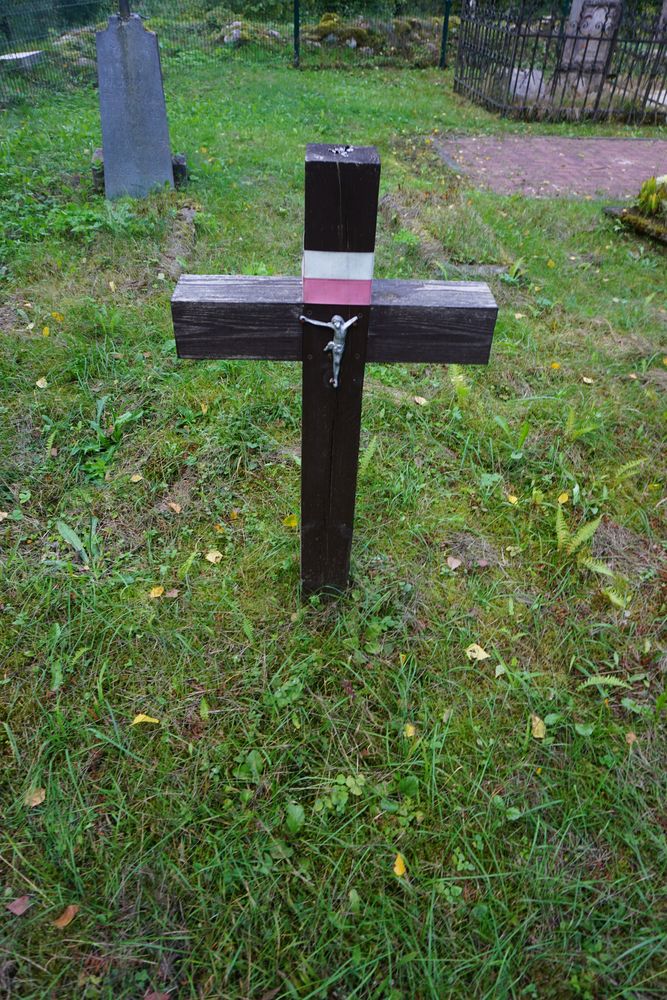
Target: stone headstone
22	60
135	134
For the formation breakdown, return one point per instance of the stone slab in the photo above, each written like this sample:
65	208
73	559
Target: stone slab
135	133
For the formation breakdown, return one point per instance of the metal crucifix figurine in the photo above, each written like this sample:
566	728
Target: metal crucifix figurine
284	319
337	345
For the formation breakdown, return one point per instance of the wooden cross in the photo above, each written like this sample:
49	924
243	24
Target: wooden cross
333	319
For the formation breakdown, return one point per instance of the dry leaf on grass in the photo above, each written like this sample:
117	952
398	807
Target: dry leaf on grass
174	592
420	401
19	906
138	719
399	866
156	591
136	477
630	738
176	507
409	730
41	383
538	728
476	652
290	521
35	797
214	556
67	916
453	562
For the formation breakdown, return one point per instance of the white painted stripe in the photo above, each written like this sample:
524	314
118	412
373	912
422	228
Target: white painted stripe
338	265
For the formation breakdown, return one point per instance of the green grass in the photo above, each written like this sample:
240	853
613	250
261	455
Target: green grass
244	846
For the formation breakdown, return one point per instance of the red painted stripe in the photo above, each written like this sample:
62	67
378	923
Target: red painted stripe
336	292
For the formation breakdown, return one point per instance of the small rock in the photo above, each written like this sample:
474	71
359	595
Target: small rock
366	51
84	61
331	39
351	43
233	38
272	33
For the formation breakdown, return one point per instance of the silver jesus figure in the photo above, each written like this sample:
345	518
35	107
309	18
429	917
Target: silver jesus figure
337	345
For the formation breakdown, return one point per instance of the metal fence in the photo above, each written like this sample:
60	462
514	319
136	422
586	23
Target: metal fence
50	44
598	59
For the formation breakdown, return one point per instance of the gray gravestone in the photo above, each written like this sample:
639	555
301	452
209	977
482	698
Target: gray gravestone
135	134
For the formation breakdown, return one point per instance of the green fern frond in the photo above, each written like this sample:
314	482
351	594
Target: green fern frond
562	531
583	535
629	469
595	566
604	680
618	599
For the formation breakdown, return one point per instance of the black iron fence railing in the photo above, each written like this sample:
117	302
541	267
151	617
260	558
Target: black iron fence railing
51	43
594	59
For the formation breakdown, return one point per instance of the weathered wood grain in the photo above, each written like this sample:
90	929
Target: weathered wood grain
237	316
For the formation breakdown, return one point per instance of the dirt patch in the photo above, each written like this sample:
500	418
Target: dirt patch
543	166
473	550
180	244
626	551
657	377
8	318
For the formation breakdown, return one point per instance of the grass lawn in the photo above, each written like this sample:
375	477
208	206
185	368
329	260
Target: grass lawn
245	845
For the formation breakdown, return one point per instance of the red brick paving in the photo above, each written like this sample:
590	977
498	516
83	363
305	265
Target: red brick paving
554	166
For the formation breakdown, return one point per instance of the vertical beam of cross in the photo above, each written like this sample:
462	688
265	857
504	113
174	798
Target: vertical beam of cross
342	186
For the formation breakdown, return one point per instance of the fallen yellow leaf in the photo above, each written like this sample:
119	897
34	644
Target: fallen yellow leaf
138	719
409	730
587	380
67	916
563	498
41	383
476	652
176	507
290	521
538	728
112	286
551	263
630	738
519	316
420	401
35	797
45	331
157	591
136	477
58	317
555	365
214	556
204	408
512	499
399	866
233	515
219	528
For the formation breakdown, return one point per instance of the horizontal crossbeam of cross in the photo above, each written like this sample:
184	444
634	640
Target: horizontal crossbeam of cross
257	318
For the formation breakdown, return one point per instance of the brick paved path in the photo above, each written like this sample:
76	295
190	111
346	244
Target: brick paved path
551	166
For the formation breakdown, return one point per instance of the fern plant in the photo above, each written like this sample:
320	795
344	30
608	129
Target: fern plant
572	544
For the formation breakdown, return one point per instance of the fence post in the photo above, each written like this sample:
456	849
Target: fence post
297	33
445	31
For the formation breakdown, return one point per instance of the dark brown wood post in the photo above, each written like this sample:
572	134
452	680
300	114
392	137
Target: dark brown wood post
342	184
